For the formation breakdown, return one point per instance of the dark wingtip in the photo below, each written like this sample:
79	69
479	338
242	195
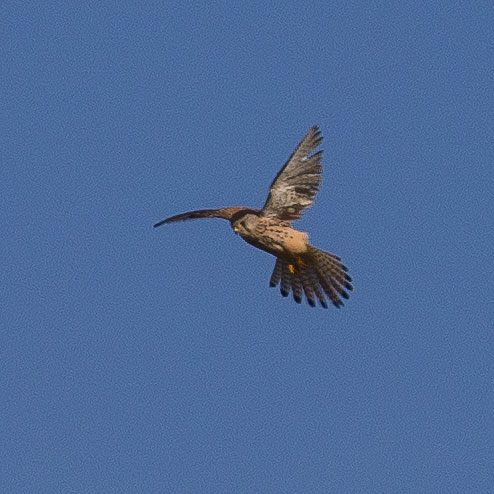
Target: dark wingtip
162	222
312	303
271	284
284	293
297	299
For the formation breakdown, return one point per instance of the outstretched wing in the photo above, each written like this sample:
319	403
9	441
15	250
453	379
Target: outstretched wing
297	183
225	213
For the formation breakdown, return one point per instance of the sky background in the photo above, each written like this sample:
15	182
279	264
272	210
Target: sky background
140	360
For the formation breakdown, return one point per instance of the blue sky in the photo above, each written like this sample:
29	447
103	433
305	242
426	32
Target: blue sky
141	360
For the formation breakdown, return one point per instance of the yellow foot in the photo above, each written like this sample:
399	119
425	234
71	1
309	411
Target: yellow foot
300	264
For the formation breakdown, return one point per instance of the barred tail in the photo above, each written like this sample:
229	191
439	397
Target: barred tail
317	274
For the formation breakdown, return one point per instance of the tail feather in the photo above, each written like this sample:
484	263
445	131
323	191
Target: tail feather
307	283
276	276
317	289
297	289
330	292
330	267
286	280
319	275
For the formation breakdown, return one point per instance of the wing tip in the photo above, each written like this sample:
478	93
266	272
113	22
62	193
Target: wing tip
162	222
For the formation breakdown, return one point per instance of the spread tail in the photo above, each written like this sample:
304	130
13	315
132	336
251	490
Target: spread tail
318	274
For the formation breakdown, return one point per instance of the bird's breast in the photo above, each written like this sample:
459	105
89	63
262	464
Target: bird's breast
276	238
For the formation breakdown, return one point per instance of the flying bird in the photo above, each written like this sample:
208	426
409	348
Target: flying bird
300	267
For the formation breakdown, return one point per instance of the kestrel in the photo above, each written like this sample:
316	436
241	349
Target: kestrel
301	267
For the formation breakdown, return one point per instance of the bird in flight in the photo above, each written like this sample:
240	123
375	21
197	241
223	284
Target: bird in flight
300	267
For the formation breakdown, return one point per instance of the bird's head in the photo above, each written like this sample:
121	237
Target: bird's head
245	224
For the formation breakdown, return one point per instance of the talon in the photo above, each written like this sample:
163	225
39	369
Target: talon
291	268
302	263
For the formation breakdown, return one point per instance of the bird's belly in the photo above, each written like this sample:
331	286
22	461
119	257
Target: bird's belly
297	243
279	242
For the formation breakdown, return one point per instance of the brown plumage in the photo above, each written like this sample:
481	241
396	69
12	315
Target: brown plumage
300	267
224	213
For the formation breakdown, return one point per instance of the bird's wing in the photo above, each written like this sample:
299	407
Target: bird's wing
225	213
297	183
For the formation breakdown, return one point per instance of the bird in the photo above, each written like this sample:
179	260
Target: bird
300	267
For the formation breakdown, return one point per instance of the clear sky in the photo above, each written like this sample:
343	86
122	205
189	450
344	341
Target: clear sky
140	360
